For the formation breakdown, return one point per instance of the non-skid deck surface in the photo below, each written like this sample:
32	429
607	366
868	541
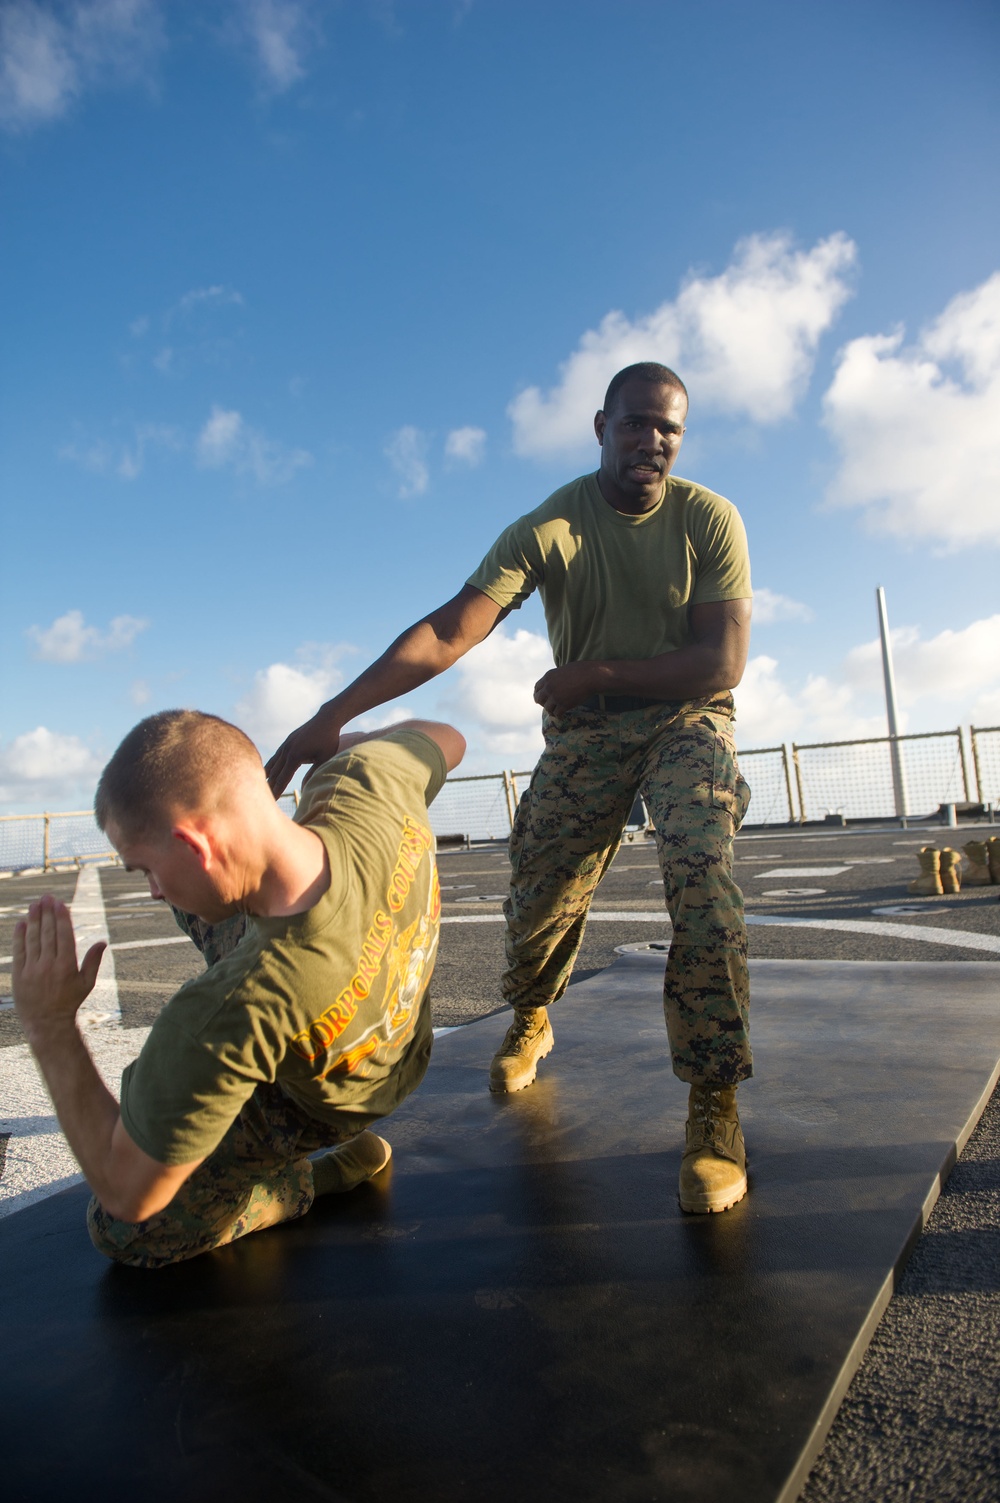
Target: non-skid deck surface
520	1311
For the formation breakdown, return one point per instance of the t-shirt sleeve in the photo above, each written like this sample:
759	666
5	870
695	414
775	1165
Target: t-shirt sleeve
513	568
432	770
179	1098
404	769
723	571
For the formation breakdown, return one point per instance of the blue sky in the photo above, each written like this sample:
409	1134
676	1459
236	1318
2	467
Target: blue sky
303	302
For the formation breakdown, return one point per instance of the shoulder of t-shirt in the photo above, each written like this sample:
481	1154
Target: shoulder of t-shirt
565	504
699	497
409	753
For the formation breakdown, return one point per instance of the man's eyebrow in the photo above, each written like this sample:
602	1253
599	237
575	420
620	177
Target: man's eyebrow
652	417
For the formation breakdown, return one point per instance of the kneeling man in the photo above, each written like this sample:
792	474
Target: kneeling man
314	1026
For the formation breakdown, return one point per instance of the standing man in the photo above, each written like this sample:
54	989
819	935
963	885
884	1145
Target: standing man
645	580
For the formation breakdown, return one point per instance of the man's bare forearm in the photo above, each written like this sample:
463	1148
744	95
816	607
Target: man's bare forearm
416	656
689	673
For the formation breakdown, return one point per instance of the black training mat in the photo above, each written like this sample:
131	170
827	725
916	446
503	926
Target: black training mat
519	1310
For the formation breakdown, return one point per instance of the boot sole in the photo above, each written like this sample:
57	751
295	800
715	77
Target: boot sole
503	1089
704	1206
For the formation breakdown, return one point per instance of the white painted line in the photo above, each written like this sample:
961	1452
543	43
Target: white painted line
804	871
39	1161
959	939
149	944
643	917
89	925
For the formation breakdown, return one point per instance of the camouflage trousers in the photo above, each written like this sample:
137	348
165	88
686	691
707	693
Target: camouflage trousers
258	1176
682	759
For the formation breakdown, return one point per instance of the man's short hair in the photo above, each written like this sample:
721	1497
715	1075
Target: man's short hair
178	758
646	370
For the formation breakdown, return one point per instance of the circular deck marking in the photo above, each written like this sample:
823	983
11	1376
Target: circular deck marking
902	909
794	892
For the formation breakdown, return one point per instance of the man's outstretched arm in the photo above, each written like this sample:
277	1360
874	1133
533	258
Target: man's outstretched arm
423	651
712	661
49	989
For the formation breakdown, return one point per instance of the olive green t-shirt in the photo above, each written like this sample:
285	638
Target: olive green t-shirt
331	1003
619	586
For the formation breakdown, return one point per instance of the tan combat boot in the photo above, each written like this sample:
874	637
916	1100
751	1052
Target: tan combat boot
977	873
714	1166
350	1164
951	870
529	1039
928	884
993	858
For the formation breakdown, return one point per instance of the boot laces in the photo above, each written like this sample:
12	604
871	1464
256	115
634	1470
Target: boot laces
706	1116
523	1027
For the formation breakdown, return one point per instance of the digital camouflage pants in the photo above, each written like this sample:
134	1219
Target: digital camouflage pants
258	1175
568	826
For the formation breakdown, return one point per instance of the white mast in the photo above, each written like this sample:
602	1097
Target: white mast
898	773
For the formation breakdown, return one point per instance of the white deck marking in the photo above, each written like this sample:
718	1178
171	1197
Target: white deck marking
960	939
803	871
39	1160
148	944
90	924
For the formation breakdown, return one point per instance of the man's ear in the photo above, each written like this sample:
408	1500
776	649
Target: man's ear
599	427
197	841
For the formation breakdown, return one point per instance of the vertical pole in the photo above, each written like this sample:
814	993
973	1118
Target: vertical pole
788	783
508	778
798	783
965	765
975	763
45	842
895	754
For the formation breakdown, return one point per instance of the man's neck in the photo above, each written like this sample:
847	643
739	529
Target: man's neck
637	507
295	876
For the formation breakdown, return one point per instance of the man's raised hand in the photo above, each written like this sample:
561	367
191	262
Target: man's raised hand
49	987
316	741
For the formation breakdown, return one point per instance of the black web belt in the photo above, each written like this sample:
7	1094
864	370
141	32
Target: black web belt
617	704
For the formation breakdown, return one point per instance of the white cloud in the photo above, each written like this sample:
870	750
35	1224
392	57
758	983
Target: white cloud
769	606
219	440
941	681
49	56
770	711
381	718
490	699
280	33
139	692
216	296
283	695
918	425
226	440
70	640
744	342
406	451
128	460
43	769
466	445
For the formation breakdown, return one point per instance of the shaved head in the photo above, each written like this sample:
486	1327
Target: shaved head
176	760
648	371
